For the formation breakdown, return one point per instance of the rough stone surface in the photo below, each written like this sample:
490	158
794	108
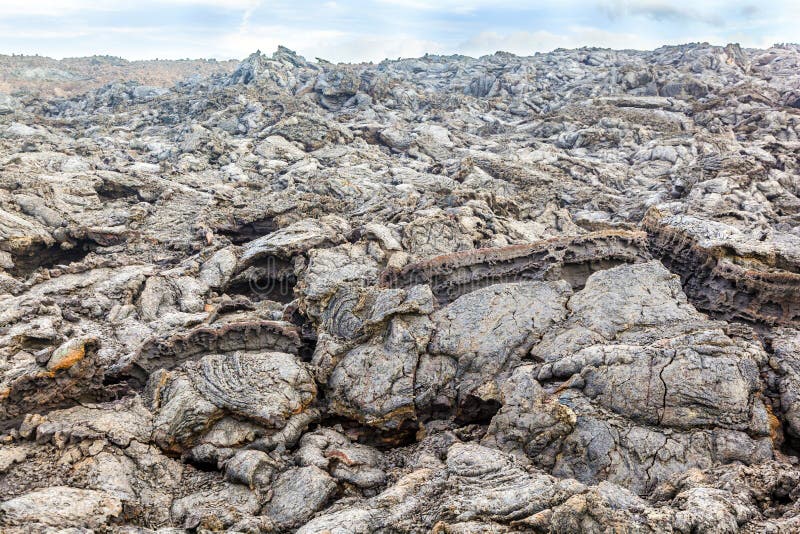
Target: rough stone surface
557	293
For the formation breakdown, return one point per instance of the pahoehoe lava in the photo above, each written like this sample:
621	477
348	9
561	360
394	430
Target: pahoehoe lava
556	293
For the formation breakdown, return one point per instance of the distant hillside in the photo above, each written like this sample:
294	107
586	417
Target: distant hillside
71	76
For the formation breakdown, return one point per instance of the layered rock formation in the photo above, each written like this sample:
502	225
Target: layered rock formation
557	293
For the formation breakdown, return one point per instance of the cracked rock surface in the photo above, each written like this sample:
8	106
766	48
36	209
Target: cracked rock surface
557	293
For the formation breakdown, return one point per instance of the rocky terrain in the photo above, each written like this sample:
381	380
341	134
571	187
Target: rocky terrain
49	78
557	293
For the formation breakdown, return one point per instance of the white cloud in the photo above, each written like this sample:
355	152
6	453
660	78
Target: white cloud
526	43
33	33
464	6
225	4
248	14
376	48
55	8
51	7
267	38
719	13
350	30
331	45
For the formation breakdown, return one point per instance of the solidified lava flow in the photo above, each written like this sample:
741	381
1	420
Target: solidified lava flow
557	293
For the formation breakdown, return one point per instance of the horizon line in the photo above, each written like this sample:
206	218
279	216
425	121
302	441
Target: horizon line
427	54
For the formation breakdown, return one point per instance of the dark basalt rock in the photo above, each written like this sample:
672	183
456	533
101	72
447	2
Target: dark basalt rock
726	272
169	352
572	259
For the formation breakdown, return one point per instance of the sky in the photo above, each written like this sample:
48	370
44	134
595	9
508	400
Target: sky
348	30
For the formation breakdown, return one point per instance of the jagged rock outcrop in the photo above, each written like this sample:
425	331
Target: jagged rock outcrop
571	259
729	272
